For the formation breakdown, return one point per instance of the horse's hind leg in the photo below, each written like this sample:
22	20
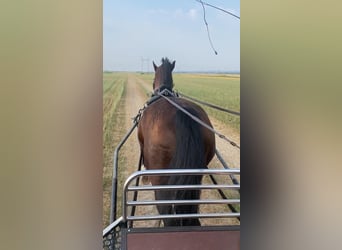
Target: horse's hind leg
188	209
166	209
179	209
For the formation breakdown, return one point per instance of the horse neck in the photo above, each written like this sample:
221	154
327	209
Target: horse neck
164	81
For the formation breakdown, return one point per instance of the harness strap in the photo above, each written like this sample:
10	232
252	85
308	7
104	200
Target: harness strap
165	93
162	91
198	120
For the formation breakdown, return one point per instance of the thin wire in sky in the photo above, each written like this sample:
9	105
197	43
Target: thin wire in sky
226	11
206	24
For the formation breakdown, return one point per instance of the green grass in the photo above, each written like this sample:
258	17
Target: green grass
220	89
113	86
113	90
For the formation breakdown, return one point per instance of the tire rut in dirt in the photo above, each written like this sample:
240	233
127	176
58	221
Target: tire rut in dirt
135	99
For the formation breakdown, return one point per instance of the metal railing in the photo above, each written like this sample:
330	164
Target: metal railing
129	186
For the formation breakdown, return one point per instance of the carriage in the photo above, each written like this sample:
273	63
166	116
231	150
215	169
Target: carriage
177	190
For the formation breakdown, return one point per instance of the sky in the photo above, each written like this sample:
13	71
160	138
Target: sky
137	32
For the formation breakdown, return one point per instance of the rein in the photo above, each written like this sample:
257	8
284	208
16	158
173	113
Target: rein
164	92
210	105
196	119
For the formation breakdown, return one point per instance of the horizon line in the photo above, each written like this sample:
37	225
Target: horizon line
185	71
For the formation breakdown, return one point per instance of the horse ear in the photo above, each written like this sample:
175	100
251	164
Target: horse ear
154	66
173	65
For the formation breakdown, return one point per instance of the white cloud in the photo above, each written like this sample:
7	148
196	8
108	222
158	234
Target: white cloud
192	13
189	14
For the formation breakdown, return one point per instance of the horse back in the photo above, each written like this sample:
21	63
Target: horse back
157	130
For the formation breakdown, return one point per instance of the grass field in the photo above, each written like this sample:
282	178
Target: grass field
219	89
113	89
222	90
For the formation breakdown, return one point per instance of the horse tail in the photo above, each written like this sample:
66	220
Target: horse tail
189	154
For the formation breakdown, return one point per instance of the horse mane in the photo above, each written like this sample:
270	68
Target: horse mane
165	60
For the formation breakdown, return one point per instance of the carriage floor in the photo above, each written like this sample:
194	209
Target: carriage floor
197	238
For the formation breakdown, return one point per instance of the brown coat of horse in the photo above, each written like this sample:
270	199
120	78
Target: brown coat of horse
170	139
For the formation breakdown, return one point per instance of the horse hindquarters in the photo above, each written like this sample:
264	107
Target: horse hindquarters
189	154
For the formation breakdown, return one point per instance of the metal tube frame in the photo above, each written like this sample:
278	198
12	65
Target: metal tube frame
135	196
184	187
169	172
110	227
115	169
225	165
183	216
181	202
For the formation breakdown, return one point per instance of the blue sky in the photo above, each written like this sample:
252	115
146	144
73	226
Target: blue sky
153	29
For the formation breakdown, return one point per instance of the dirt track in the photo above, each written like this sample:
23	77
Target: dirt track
135	97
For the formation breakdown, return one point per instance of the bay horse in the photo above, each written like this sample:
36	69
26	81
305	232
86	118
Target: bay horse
170	139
